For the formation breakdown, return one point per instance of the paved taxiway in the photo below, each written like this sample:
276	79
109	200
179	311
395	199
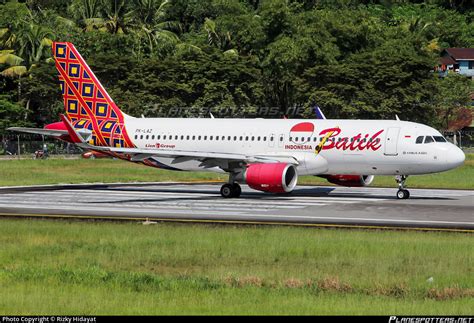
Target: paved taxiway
308	205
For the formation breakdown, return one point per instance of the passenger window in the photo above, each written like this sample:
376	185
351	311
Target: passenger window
246	138
187	137
258	138
264	138
235	138
419	140
253	138
205	137
217	137
228	138
281	138
199	137
240	138
136	136
194	137
428	139
147	137
176	137
271	138
223	138
153	137
296	138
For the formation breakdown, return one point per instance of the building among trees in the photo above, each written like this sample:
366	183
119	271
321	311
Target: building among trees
458	60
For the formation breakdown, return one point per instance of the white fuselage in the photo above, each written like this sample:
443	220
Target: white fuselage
359	147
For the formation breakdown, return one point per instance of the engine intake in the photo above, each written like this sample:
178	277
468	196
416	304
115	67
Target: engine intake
350	180
273	178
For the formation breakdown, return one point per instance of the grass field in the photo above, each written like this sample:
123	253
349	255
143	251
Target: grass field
53	171
128	268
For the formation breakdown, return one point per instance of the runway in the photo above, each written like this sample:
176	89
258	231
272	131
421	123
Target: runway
307	205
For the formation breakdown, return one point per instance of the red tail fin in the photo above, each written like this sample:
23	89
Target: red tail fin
86	102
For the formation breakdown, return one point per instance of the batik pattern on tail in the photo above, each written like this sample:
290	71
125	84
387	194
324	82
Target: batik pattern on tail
87	104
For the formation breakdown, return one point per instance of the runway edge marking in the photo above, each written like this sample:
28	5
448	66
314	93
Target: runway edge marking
317	225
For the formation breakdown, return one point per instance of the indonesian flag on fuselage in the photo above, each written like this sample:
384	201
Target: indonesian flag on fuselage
302	131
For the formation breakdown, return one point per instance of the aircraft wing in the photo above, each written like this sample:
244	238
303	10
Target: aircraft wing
137	154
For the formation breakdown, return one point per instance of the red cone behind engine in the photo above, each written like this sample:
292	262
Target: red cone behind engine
350	180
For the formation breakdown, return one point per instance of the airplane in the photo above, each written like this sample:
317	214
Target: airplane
267	154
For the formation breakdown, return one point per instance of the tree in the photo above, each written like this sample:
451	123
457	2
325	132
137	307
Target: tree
12	115
42	94
393	79
34	43
453	94
14	68
154	33
354	58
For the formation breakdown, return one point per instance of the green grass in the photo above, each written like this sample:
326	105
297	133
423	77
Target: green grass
54	171
127	268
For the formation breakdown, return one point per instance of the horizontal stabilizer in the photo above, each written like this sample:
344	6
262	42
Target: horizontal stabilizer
40	131
84	133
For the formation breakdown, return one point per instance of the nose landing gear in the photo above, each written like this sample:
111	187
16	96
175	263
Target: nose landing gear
402	193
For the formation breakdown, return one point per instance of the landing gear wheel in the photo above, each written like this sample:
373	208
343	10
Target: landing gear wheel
237	190
403	194
227	191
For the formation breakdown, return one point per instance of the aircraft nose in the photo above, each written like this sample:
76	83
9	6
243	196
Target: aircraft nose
455	157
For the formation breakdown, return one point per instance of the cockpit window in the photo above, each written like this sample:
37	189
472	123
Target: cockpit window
428	139
439	139
419	140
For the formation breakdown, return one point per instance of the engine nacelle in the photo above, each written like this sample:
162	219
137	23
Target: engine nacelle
350	180
273	178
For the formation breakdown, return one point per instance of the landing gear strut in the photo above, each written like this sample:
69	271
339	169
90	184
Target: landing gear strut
231	190
402	193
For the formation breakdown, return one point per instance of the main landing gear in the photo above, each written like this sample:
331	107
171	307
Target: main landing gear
231	190
402	193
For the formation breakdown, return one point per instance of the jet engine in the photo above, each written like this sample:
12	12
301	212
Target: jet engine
350	180
273	178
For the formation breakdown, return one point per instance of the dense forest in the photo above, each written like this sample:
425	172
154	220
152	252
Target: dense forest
240	58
